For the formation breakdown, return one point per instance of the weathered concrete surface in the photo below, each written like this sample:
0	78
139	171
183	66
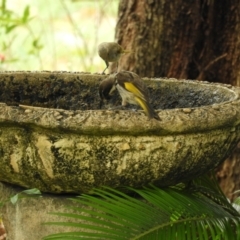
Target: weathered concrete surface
54	137
24	221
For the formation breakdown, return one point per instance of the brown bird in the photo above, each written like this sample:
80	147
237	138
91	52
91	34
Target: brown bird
131	89
110	52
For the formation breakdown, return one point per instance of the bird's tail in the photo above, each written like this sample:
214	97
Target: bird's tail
147	108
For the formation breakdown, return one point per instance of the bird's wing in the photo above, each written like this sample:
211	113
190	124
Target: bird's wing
132	83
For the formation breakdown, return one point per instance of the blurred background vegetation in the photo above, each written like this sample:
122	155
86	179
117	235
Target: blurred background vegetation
55	35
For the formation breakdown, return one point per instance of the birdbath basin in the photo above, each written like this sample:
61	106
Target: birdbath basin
54	137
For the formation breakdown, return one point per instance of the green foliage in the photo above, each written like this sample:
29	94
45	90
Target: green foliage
10	23
196	211
236	202
59	35
23	194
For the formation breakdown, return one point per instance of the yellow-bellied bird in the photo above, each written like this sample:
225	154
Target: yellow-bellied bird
110	52
131	88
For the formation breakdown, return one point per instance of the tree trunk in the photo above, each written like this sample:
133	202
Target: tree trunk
228	174
184	39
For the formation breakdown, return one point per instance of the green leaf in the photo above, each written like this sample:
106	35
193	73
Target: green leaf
238	191
8	29
33	191
26	13
236	204
199	212
36	44
14	199
3	5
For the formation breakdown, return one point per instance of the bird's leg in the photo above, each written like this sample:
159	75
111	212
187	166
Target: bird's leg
100	104
118	107
117	66
124	103
121	107
107	65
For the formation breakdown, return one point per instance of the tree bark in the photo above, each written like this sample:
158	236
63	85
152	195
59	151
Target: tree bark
181	39
185	39
228	174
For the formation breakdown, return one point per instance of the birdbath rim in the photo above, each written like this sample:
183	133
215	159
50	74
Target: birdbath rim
108	121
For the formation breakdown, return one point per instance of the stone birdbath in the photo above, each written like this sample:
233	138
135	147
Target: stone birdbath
54	137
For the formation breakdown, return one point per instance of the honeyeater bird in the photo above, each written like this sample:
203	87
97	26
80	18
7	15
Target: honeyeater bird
110	52
131	88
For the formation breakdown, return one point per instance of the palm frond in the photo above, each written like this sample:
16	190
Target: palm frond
198	212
